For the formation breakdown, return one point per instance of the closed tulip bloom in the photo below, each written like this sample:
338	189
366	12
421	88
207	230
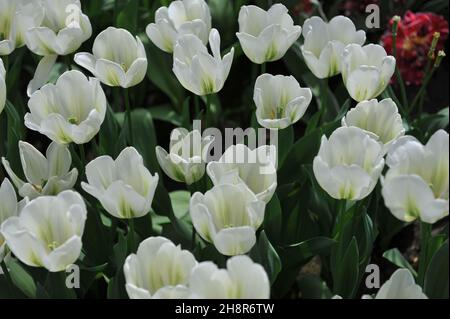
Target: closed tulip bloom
16	17
62	31
325	42
266	35
243	279
416	184
158	270
196	69
8	208
45	175
2	86
48	231
185	160
227	216
348	164
379	119
181	17
401	285
118	58
280	101
65	114
254	168
124	186
366	70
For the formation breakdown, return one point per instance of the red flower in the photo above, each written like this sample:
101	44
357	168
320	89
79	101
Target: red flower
414	37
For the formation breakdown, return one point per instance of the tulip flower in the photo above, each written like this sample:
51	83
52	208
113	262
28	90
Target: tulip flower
401	285
118	58
348	164
196	69
181	17
325	42
63	29
124	186
185	161
65	114
8	208
243	279
416	184
16	17
280	101
227	216
158	270
48	231
379	119
266	35
254	168
366	70
2	86
45	175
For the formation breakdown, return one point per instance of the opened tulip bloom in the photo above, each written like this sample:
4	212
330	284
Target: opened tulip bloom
65	114
124	186
325	42
366	70
380	119
118	58
158	270
185	160
254	168
48	231
63	29
227	216
181	17
2	86
196	69
16	17
266	35
45	175
280	101
416	184
349	163
243	279
9	207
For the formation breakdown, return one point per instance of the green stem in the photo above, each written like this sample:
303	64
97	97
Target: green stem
193	238
323	99
339	217
425	234
196	106
128	115
263	68
422	89
131	238
398	75
82	158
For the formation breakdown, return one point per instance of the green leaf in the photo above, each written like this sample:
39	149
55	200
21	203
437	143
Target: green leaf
298	254
165	113
109	131
55	286
313	287
127	18
346	272
180	202
21	278
396	257
285	142
436	278
273	220
264	254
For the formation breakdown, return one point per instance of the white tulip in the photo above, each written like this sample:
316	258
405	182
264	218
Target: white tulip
118	58
243	279
416	184
181	17
266	35
366	70
280	101
196	69
401	285
254	168
2	86
8	208
325	42
379	119
63	29
48	231
16	17
158	270
124	186
72	110
348	164
184	162
45	175
227	216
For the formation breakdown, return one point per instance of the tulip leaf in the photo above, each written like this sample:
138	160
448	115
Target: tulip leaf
436	278
165	113
109	131
55	286
128	17
21	278
313	287
273	220
297	254
265	254
285	142
180	202
395	256
346	271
